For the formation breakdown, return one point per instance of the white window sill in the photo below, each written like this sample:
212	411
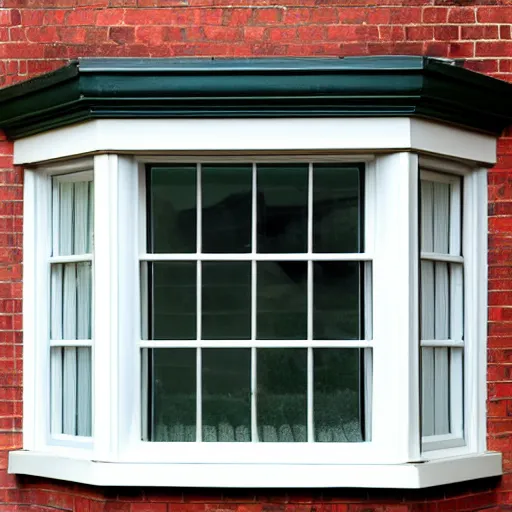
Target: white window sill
406	476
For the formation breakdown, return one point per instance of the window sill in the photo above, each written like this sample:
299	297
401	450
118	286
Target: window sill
407	476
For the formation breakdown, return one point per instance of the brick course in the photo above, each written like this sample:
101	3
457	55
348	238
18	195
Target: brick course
37	36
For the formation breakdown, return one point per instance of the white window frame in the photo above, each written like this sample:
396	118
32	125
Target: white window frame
395	444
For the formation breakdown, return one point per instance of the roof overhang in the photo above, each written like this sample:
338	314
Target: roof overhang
89	89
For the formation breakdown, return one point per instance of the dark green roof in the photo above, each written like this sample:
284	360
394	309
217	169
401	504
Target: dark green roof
219	88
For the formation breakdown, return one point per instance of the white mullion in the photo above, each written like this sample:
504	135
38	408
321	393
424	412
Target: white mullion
106	360
396	347
258	257
310	376
70	343
445	258
442	343
73	258
254	308
199	312
255	343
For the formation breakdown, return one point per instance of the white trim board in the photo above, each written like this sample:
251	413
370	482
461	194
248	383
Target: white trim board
250	135
406	476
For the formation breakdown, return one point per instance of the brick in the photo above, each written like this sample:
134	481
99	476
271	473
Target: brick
324	15
435	15
494	14
480	32
122	35
462	15
419	33
446	33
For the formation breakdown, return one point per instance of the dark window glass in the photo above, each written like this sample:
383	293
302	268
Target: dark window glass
336	208
226	208
226	300
282	205
173	300
336	395
282	300
336	300
226	395
172	213
282	395
172	393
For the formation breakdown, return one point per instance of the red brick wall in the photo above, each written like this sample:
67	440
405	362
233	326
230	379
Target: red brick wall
39	35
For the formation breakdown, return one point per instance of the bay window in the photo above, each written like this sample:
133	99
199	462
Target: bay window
229	288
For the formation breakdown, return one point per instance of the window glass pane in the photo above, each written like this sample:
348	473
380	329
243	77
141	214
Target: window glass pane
226	208
282	300
427	394
337	395
441	217
282	205
427	216
441	283
226	395
71	390
172	199
442	301
173	300
172	394
336	208
336	300
282	395
70	315
72	217
226	300
436	390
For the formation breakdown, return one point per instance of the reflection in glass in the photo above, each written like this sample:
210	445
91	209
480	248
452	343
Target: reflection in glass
226	395
172	390
282	395
172	209
226	208
336	300
226	300
174	300
282	206
336	208
337	395
282	300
